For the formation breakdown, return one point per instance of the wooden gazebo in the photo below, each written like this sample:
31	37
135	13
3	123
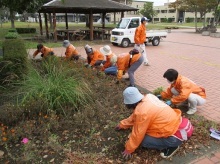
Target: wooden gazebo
83	7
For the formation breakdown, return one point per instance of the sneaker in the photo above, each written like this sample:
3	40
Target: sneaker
169	152
191	111
146	64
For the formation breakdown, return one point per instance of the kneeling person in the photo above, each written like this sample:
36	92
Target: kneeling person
45	51
154	124
71	51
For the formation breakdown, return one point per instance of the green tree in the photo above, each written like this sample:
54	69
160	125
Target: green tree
20	6
196	6
217	14
148	10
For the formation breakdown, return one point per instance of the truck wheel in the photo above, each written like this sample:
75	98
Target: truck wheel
125	43
156	41
114	44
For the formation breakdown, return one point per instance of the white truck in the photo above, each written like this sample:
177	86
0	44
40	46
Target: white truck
123	34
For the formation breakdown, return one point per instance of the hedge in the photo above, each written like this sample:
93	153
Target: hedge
26	30
14	63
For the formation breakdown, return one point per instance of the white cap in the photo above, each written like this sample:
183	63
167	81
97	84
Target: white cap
66	43
106	50
132	95
144	19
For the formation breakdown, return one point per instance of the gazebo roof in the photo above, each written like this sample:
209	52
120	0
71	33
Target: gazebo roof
84	6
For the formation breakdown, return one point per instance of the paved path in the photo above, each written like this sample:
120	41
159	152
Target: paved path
194	56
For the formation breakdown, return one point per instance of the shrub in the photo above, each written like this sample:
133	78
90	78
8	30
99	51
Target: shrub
14	63
158	90
12	35
53	84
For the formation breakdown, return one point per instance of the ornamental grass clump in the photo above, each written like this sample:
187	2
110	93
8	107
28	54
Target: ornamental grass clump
53	84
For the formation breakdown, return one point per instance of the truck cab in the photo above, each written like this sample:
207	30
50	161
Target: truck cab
124	32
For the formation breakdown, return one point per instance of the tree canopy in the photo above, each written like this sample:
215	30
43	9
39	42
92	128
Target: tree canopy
197	6
148	10
21	6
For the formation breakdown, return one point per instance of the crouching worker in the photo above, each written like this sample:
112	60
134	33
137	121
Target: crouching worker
94	57
154	124
129	62
45	51
109	66
183	90
71	52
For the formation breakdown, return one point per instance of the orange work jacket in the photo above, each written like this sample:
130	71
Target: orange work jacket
108	62
184	86
140	34
71	51
45	50
123	63
95	56
150	117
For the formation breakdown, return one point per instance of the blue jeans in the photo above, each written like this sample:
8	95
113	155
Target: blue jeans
160	143
111	70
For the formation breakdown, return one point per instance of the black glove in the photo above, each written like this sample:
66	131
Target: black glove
159	97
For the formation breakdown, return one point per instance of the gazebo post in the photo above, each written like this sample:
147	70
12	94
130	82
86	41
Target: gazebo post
114	17
54	26
66	20
91	25
46	25
103	23
40	21
122	15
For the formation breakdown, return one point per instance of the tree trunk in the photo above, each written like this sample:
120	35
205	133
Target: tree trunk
204	21
12	17
196	20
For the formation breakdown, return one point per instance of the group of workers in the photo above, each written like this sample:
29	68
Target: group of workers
154	123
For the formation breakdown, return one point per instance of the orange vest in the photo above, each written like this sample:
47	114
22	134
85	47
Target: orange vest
45	51
96	56
151	117
123	62
71	51
140	34
184	86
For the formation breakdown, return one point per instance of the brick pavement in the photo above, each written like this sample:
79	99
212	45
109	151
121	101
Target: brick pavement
194	56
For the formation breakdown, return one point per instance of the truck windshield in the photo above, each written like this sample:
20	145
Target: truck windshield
123	23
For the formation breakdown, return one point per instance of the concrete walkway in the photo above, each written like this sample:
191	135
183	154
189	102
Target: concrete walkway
194	56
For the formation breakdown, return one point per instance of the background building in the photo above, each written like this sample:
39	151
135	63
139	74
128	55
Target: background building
172	15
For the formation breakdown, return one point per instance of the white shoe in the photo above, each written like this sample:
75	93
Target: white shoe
191	111
146	64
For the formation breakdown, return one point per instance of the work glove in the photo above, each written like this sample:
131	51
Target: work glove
126	154
117	128
101	65
89	66
168	102
159	97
